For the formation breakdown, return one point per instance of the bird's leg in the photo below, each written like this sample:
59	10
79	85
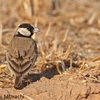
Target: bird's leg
18	82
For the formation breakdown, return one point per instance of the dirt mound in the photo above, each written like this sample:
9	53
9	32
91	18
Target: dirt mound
78	86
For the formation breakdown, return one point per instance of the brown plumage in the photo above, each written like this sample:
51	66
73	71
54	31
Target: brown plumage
21	56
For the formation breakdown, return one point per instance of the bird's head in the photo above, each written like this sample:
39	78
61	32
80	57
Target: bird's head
26	30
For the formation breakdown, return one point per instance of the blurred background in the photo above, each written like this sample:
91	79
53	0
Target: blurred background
69	29
60	12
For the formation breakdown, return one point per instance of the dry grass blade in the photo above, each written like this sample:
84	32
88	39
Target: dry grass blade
83	65
36	8
56	42
48	56
58	69
4	31
92	18
62	65
43	54
67	53
32	5
66	35
95	59
0	33
18	4
36	22
71	61
3	66
27	9
93	64
48	30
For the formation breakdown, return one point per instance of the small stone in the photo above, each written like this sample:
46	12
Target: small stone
84	81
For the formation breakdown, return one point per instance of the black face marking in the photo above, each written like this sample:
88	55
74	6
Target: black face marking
28	26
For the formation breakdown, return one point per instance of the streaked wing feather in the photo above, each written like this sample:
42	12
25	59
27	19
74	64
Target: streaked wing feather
21	58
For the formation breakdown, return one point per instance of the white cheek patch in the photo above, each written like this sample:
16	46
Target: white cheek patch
24	32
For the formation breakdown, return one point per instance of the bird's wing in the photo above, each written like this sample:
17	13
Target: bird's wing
22	54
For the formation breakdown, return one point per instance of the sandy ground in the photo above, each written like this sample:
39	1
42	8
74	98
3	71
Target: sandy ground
84	85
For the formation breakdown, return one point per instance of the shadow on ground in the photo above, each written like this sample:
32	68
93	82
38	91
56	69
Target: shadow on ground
48	73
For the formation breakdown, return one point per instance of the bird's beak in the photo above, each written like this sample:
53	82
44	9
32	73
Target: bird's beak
36	30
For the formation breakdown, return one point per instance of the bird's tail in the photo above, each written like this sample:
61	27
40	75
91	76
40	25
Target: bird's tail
18	82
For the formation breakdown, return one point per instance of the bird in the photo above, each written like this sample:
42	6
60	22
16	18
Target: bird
22	53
